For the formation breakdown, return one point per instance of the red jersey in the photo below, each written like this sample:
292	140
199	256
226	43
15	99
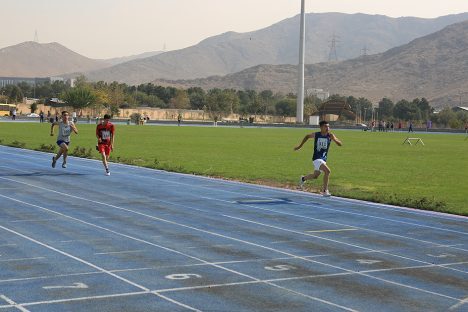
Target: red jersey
105	132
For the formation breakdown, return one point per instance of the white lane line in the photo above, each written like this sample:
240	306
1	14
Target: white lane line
13	304
245	242
69	300
119	252
403	237
283	191
194	194
71	256
459	304
22	259
85	240
326	231
176	302
23	279
227	237
34	220
173	250
254	186
75	258
336	241
74	286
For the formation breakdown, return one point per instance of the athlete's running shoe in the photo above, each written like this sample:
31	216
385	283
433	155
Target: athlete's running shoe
53	162
301	182
326	193
107	172
64	165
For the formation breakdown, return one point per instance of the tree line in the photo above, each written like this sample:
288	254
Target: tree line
221	102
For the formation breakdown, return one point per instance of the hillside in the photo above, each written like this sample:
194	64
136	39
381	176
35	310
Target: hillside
278	44
31	59
124	59
434	66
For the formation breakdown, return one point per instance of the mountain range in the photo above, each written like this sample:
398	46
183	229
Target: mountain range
278	44
434	66
32	59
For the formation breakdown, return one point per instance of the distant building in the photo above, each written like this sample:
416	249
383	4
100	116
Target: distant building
460	109
319	93
4	81
332	110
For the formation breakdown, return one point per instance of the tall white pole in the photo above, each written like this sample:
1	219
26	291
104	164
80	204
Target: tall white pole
300	88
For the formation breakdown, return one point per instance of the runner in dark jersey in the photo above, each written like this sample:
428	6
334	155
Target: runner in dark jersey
105	136
322	141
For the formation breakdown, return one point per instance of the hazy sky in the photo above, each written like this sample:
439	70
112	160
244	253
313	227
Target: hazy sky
111	28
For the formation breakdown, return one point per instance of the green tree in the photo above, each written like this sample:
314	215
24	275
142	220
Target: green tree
80	97
286	107
406	111
14	93
386	108
266	102
197	97
445	116
248	102
424	107
181	100
33	107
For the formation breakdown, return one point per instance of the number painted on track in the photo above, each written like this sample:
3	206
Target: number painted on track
182	276
280	267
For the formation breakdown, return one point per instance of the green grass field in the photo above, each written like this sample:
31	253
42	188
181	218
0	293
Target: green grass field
370	166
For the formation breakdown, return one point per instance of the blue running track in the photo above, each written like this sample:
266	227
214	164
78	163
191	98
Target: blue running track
146	240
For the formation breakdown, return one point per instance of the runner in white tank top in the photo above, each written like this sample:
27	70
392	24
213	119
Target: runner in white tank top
63	138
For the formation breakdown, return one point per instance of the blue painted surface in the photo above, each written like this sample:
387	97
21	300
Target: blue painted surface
148	240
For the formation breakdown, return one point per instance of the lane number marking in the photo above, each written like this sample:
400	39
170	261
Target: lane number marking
182	276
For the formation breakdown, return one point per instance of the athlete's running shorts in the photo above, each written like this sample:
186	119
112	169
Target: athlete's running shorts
104	148
318	163
59	142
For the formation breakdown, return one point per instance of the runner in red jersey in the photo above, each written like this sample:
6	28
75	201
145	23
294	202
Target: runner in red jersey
105	136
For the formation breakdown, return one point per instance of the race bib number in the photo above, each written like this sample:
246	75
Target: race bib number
322	144
66	131
105	135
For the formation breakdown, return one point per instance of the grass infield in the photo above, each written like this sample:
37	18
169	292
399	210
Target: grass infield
370	166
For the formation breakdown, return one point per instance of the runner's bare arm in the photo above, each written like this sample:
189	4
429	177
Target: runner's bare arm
335	139
303	141
52	128
74	128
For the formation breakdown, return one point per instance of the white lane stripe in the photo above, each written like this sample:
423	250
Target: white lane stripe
189	194
227	237
246	242
281	190
22	259
315	236
277	211
168	249
34	220
71	256
332	240
13	304
118	252
292	203
252	187
176	302
68	300
459	304
22	279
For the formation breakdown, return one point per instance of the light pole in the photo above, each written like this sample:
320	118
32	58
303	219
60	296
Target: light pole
300	88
